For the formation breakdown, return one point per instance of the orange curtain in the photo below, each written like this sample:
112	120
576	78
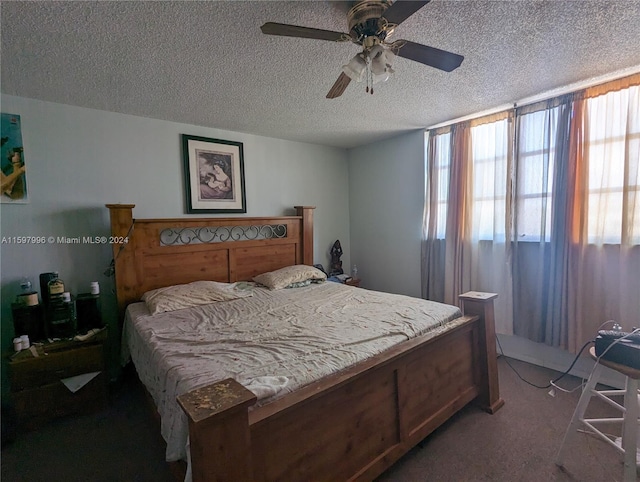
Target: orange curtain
612	86
458	222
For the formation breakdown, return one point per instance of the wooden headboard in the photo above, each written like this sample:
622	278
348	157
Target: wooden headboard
165	252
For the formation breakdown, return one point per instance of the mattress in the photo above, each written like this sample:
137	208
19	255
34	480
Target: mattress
272	342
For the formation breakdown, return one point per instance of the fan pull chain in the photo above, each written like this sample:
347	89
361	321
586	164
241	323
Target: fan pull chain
369	72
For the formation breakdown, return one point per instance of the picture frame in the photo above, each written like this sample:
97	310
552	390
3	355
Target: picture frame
213	175
12	165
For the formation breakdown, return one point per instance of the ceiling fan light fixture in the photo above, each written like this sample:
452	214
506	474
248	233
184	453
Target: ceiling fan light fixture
372	65
371	22
356	67
381	63
377	78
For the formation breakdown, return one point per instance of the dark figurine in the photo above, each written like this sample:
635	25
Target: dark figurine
336	264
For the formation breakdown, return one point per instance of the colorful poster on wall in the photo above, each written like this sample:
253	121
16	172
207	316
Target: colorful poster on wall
14	178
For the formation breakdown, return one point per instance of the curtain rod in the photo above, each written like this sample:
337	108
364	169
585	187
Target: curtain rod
549	94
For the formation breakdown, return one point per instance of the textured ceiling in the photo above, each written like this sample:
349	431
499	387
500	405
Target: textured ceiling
207	63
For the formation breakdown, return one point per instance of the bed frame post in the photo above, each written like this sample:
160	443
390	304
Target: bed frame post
219	436
481	304
121	216
307	229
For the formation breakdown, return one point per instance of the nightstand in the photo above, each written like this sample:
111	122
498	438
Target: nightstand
353	282
37	391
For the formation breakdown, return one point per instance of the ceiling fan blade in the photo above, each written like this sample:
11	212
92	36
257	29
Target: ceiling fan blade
440	59
271	28
339	87
401	10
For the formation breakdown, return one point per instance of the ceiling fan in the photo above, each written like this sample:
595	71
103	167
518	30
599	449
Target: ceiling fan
371	22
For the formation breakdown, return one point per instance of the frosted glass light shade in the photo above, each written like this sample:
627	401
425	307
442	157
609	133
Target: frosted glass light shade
381	60
380	77
355	68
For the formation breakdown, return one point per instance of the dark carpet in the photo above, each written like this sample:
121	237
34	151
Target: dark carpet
518	443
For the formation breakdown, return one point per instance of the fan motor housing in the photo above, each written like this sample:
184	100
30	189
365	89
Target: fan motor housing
364	19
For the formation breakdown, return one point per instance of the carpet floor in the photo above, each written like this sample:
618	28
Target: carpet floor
518	443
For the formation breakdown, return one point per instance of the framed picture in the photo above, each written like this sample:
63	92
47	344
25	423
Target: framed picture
214	175
13	173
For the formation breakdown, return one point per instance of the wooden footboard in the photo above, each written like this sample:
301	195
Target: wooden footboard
354	424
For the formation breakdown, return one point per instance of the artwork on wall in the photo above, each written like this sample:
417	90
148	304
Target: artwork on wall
13	170
214	175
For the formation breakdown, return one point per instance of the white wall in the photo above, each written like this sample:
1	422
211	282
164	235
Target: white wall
79	159
386	200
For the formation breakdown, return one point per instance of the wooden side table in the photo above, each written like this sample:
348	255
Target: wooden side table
353	282
37	391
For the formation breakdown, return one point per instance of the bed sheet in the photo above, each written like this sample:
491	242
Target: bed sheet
272	342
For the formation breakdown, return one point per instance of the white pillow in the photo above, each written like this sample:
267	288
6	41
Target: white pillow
283	277
197	293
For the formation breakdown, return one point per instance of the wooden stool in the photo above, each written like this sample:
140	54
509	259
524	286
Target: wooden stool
630	414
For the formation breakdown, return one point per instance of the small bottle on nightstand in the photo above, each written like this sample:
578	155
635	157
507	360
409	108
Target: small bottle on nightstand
354	272
55	288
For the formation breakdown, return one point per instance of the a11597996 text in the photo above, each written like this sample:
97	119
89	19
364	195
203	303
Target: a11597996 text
65	240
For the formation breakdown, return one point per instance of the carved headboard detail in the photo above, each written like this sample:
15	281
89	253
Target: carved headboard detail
164	252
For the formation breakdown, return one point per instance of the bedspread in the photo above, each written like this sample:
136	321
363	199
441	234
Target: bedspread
272	342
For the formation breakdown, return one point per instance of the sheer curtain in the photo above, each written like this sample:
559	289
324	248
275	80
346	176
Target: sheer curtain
466	221
542	206
446	218
542	221
605	251
435	214
488	234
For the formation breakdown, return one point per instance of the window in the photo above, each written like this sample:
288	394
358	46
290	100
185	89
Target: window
533	194
441	169
606	197
490	147
534	174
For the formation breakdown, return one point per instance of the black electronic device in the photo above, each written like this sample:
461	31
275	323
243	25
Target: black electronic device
88	312
61	319
619	347
28	320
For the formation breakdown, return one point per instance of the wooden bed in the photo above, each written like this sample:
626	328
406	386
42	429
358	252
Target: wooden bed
349	426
